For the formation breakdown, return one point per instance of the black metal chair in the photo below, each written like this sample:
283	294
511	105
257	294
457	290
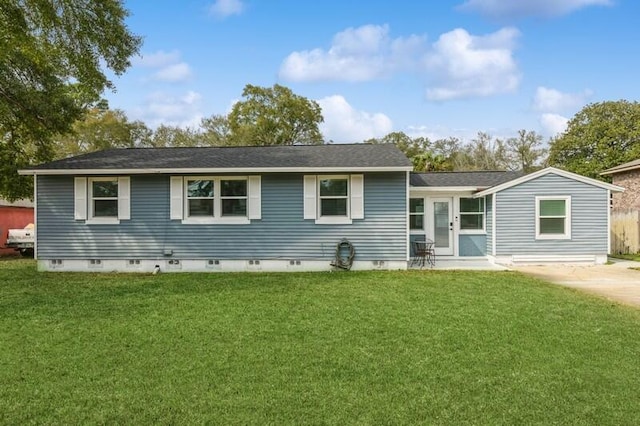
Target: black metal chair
423	253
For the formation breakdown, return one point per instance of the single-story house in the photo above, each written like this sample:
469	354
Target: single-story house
13	215
625	219
287	208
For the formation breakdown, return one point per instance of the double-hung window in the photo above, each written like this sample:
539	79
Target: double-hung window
200	197
334	196
553	217
102	200
333	199
416	213
213	199
104	197
233	197
472	214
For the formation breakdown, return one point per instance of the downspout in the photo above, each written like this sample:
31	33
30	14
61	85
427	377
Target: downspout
495	225
35	216
408	232
608	221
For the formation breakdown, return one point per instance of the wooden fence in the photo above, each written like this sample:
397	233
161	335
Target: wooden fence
625	232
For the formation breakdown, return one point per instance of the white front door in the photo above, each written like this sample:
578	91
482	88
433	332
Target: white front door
442	225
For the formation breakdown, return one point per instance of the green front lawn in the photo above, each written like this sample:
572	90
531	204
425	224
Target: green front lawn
411	347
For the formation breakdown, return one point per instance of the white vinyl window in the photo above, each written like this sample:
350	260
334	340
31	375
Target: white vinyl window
416	213
333	196
472	214
334	199
233	197
213	199
553	217
199	197
101	200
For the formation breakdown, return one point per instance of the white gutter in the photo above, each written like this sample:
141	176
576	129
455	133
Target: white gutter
210	170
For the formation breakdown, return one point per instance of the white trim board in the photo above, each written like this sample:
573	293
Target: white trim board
209	265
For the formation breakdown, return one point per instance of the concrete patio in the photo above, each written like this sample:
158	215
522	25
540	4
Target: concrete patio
461	264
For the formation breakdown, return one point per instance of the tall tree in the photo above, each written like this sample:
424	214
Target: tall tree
448	149
600	136
215	130
274	116
52	55
525	152
484	152
174	136
418	150
101	128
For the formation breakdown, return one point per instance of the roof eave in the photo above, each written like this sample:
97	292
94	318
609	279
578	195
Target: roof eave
615	170
211	170
446	188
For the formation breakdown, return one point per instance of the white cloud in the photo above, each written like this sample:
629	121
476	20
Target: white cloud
463	65
356	54
174	73
552	100
458	64
514	9
163	108
157	59
225	8
553	124
344	124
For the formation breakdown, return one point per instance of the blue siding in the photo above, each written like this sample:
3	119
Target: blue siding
281	234
472	245
516	218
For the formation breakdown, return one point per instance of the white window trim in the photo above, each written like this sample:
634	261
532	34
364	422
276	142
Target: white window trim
91	219
482	231
332	220
217	217
567	220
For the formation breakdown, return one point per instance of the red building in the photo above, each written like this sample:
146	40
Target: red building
17	214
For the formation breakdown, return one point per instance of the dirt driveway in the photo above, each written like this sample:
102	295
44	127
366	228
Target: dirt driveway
616	281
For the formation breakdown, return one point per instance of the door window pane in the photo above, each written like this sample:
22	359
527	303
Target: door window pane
441	223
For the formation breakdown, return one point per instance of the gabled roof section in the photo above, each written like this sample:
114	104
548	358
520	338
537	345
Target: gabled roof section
631	165
543	172
470	179
291	158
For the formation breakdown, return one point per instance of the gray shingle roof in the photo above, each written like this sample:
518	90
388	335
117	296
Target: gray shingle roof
481	179
631	165
296	156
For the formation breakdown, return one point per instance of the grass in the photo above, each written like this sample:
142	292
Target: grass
415	347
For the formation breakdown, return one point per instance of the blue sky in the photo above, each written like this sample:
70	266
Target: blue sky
427	68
